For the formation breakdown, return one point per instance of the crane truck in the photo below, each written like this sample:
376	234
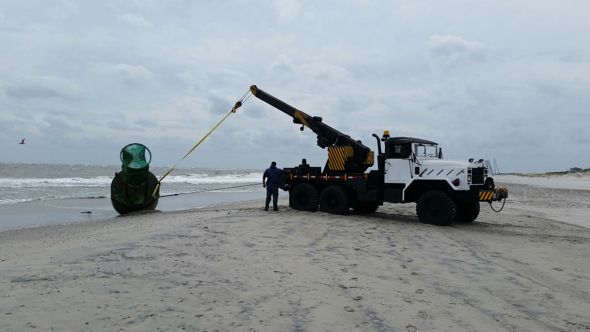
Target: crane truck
408	170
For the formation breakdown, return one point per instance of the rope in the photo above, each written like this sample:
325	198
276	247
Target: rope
238	104
501	208
208	190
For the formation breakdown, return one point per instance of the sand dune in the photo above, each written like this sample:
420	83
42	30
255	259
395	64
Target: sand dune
573	181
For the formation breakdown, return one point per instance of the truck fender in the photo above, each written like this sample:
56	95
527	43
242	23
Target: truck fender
417	187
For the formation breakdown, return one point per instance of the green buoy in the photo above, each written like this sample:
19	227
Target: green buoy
134	188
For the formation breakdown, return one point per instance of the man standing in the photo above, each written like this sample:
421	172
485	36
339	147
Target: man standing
270	180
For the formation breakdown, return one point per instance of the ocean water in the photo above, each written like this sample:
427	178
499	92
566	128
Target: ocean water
41	194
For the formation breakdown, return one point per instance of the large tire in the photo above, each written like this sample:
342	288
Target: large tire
365	207
436	208
333	200
304	197
467	210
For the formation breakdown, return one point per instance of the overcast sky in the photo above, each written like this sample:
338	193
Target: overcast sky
508	80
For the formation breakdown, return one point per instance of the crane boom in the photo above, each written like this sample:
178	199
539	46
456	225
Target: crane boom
344	153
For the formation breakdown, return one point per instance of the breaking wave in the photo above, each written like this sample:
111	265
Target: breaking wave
104	181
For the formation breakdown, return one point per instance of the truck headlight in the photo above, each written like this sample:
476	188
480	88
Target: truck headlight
456	182
469	178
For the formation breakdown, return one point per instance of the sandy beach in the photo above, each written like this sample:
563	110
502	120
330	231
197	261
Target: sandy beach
239	268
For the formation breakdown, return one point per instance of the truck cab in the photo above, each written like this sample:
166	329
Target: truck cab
414	170
410	159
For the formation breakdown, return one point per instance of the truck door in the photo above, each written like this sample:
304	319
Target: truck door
397	171
397	163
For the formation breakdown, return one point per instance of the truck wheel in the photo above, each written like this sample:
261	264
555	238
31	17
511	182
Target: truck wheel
365	207
467	211
333	200
304	198
436	208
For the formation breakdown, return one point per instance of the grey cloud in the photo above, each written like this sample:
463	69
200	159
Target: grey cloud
448	50
137	21
323	73
62	125
282	63
326	70
350	104
288	10
146	123
33	92
252	110
580	137
219	104
42	87
119	125
132	75
191	81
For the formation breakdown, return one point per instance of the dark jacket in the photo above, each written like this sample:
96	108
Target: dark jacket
273	176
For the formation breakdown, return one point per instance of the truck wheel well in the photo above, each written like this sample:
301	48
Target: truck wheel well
418	187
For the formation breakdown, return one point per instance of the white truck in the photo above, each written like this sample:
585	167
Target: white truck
408	170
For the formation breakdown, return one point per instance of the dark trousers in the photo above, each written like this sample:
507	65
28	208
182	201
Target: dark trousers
274	192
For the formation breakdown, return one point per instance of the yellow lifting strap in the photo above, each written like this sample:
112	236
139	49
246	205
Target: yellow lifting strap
233	110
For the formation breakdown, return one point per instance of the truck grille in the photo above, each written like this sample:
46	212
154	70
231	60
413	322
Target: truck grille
477	175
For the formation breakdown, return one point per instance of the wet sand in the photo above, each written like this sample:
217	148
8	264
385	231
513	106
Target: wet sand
73	210
239	268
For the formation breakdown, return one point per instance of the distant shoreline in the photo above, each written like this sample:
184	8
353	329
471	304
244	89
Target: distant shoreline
582	172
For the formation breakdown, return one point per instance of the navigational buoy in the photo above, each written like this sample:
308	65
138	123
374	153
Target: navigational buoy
134	188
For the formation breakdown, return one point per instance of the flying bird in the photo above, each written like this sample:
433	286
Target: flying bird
22	142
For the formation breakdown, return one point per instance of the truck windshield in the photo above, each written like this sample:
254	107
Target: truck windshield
426	151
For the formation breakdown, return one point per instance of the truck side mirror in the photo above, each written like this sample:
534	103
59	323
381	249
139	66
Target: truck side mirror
440	155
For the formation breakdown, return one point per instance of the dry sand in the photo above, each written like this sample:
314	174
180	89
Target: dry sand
238	268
